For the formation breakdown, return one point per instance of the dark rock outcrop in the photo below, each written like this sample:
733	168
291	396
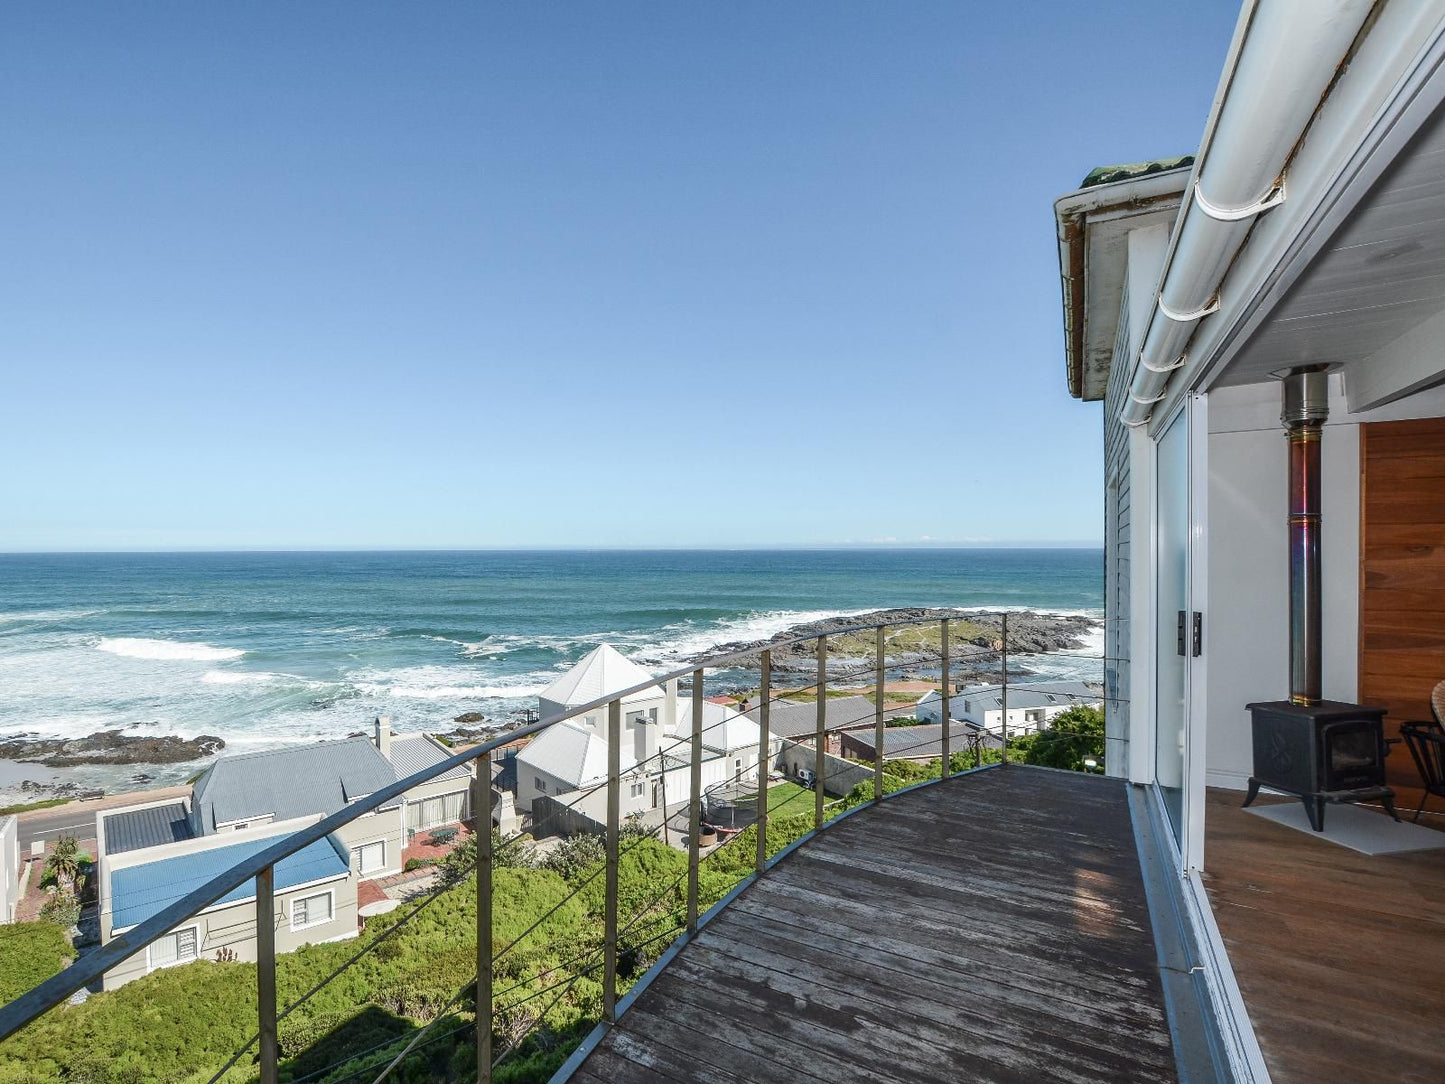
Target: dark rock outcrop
109	747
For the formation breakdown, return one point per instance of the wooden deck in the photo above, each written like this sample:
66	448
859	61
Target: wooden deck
992	928
1340	956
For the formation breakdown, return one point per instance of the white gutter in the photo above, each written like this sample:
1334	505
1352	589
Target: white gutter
1284	57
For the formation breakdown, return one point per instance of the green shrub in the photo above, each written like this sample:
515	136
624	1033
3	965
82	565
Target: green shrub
413	864
62	908
30	952
1070	737
576	856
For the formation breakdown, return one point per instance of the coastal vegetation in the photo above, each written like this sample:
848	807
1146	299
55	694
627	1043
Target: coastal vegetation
30	952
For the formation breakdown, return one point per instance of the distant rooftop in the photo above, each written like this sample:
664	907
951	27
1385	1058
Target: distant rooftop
139	892
295	781
1129	170
137	828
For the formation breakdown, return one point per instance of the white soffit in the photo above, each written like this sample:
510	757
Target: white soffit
1380	277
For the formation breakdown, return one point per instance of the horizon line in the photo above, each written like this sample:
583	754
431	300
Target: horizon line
816	547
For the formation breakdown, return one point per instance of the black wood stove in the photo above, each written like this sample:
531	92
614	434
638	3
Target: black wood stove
1321	750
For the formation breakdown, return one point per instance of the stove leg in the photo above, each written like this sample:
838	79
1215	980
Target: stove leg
1388	801
1253	792
1315	809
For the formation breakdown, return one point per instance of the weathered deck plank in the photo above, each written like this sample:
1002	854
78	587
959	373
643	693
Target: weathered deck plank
993	928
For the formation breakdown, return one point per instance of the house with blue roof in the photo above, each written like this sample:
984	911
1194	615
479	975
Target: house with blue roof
154	853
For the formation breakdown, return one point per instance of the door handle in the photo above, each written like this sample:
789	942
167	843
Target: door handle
1198	634
1179	635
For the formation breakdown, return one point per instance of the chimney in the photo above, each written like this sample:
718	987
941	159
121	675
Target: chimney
1306	406
383	735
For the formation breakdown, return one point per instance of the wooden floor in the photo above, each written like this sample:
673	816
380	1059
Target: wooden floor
993	928
1340	956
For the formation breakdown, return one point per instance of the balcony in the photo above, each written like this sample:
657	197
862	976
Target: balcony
991	928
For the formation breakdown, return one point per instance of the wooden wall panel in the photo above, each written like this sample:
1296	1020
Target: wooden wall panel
1402	577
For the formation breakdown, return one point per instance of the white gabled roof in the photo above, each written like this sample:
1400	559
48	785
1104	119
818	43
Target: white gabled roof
723	729
601	671
573	753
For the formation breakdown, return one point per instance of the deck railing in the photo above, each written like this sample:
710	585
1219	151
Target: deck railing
648	926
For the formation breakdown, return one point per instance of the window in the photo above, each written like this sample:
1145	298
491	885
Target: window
447	809
173	948
541	784
371	857
310	911
636	790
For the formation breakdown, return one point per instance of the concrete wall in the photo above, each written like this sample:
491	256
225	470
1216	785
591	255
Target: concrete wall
1247	625
839	776
388	827
9	867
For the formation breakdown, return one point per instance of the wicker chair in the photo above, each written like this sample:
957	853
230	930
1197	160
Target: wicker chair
1426	742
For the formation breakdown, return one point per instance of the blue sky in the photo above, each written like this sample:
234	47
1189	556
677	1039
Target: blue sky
566	274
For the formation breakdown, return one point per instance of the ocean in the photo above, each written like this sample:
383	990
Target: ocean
270	648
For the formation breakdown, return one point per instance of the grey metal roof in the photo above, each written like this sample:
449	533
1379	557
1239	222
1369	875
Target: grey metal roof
413	754
292	782
136	828
924	741
1025	694
792	719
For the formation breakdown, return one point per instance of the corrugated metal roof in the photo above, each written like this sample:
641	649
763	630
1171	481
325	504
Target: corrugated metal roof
573	753
1023	694
924	741
138	892
412	754
136	828
794	719
293	782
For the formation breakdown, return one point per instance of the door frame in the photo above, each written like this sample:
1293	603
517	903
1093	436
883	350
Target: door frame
1188	850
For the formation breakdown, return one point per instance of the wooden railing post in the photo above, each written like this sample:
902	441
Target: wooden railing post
266	974
614	839
947	704
820	763
765	697
1003	688
482	824
694	803
878	719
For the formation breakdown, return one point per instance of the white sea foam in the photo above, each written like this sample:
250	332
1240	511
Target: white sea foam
257	677
136	647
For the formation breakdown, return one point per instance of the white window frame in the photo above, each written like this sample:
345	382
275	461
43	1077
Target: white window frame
195	929
371	843
637	789
330	895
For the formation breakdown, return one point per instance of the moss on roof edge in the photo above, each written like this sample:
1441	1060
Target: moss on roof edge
1130	170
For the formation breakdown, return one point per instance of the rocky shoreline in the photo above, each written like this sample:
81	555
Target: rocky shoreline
109	747
975	639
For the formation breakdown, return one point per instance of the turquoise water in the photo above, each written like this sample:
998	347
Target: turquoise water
263	648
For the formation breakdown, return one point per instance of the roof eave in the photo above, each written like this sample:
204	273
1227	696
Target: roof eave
1073	213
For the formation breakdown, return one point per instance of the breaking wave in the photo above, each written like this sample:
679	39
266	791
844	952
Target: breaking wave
137	647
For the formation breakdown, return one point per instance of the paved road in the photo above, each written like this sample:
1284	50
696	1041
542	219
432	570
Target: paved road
78	818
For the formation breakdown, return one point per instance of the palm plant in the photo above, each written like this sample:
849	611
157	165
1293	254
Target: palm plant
63	865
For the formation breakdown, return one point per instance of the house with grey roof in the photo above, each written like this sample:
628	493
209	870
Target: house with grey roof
148	851
1031	704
